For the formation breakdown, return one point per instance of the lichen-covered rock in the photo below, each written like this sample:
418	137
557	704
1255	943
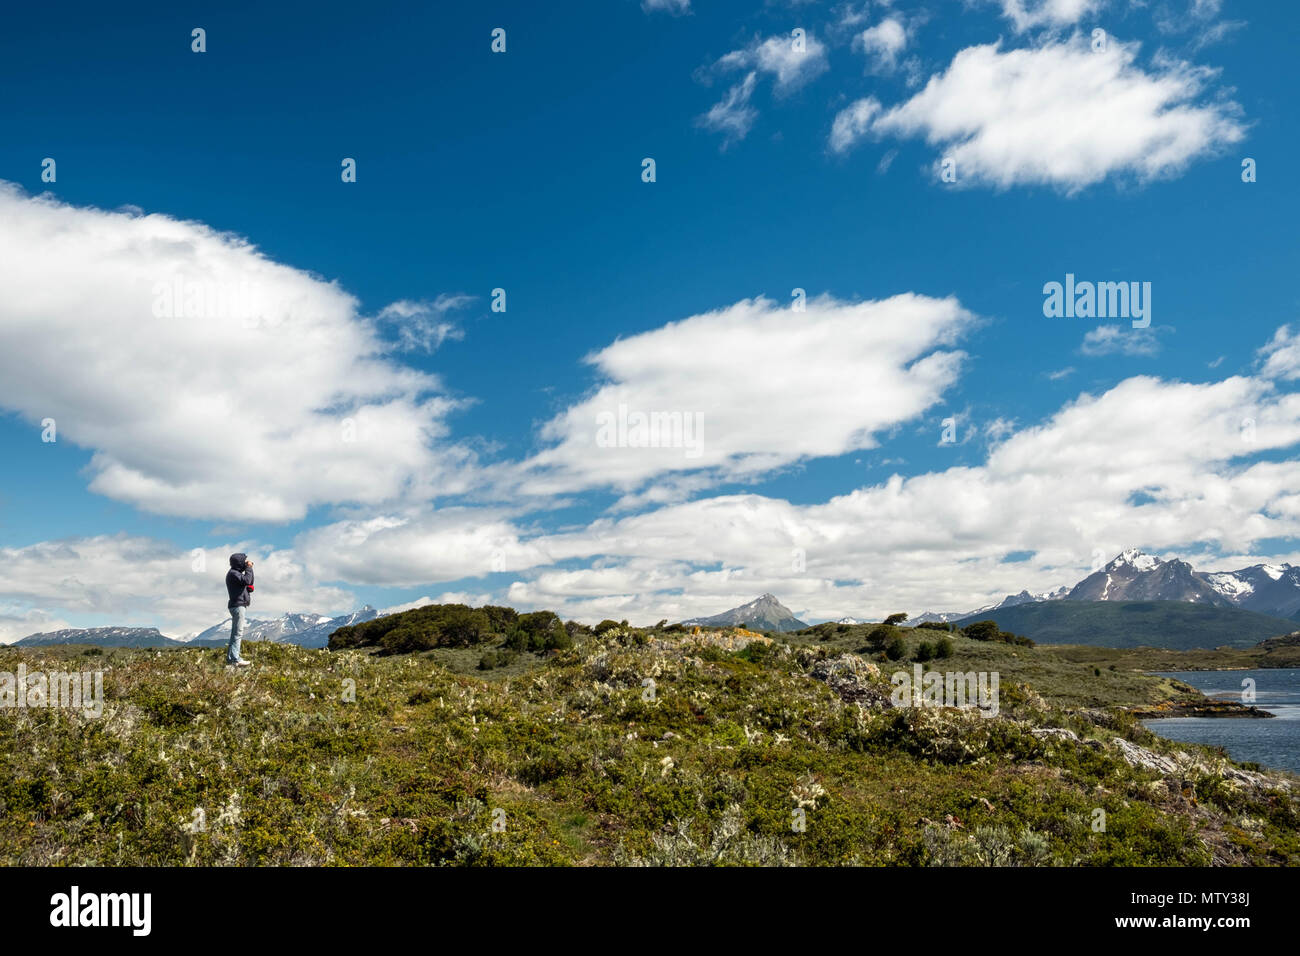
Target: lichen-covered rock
1147	759
1056	733
855	680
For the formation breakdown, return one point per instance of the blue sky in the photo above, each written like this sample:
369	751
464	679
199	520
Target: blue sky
522	171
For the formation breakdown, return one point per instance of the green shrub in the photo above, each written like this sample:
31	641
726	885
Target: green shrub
494	659
982	630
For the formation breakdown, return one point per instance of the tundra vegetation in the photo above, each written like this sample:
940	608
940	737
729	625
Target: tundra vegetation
452	735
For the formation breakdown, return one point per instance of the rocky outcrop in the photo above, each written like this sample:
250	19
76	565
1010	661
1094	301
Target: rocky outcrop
854	680
1183	764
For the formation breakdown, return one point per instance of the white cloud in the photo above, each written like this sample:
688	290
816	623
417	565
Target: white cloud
17	622
424	325
789	62
143	582
884	43
1061	489
732	116
675	7
1282	355
790	66
208	380
411	550
755	386
1117	340
1059	114
853	122
1031	14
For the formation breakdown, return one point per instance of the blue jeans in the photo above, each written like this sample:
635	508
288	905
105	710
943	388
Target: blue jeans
237	616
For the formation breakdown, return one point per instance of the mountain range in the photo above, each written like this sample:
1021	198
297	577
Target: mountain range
1133	575
102	636
304	630
1271	590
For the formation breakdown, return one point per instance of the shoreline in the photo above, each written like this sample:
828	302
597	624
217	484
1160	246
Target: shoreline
1210	707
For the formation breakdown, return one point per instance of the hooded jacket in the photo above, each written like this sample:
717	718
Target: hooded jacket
239	581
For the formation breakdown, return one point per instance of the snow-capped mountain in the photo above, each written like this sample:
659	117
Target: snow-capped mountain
1133	575
849	620
1267	588
305	630
940	617
319	635
1011	600
101	637
283	629
764	613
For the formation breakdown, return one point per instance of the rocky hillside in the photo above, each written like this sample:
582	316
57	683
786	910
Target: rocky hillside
631	746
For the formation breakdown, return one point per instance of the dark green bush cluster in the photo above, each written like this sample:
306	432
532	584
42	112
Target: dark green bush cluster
494	659
880	637
540	631
423	628
936	626
940	649
989	631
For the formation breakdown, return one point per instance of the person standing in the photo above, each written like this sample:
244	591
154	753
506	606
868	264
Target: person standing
239	585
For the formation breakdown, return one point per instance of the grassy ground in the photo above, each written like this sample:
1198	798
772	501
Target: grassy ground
1066	676
1276	652
632	747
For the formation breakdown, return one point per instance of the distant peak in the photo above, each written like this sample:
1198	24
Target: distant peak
1134	558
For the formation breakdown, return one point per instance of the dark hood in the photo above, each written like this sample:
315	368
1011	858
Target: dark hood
239	562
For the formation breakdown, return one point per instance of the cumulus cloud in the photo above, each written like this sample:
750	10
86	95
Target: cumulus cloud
1031	14
208	380
1063	490
884	43
144	582
1059	114
752	387
1281	356
409	550
853	122
18	621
